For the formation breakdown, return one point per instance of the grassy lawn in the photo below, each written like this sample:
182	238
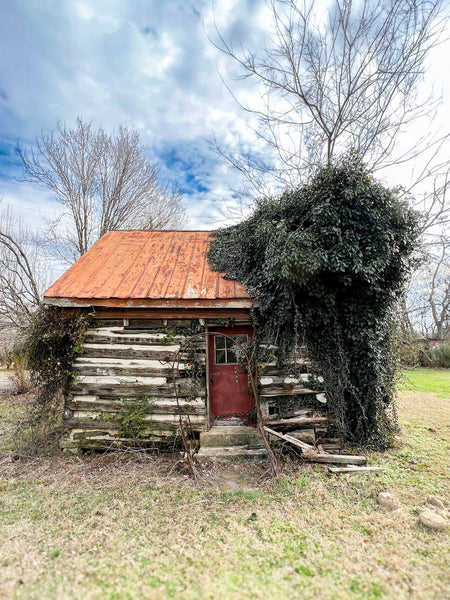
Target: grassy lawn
125	526
428	380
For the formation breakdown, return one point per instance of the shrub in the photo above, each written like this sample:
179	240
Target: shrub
414	353
440	355
52	343
21	378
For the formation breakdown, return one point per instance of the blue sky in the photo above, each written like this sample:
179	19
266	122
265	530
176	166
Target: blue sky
146	63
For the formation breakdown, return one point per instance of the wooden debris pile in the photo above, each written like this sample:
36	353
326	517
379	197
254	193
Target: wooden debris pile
352	463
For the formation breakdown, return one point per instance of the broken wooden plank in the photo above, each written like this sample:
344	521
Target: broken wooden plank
308	436
298	422
344	459
287	438
279	390
354	469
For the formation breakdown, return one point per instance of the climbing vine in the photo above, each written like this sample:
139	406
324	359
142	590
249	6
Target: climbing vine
131	418
52	344
327	263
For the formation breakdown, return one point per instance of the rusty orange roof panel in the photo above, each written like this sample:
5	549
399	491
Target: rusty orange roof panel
141	268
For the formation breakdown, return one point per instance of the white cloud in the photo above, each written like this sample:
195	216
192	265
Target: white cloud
145	63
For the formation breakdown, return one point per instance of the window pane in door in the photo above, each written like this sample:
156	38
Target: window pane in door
231	357
226	350
219	341
220	357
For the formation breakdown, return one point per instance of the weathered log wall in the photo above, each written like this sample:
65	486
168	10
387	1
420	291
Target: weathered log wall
297	404
130	391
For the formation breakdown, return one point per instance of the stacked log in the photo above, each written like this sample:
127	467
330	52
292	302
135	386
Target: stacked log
297	405
118	369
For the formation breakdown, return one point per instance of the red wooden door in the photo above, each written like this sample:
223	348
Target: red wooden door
228	384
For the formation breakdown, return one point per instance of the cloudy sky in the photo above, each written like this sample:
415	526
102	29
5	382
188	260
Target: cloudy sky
145	63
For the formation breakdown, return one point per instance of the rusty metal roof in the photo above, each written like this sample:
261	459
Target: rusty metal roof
147	268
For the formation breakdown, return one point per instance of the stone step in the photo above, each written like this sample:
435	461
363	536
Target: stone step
230	453
221	437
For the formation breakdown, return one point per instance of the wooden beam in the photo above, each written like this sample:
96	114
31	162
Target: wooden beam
291	440
344	459
298	422
241	315
151	303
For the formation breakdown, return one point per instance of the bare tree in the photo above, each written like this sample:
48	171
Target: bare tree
349	77
103	182
8	336
427	310
428	307
349	81
439	292
22	274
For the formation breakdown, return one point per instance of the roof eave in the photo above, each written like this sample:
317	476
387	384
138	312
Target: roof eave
246	303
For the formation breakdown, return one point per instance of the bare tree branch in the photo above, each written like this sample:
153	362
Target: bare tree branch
22	274
103	181
350	78
352	83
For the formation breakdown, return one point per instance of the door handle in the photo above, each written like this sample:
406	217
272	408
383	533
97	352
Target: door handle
212	379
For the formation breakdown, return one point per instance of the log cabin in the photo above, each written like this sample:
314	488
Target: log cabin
166	345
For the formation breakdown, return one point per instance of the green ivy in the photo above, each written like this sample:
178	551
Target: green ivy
131	418
53	342
327	262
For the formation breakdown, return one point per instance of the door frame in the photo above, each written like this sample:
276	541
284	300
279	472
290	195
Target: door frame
210	333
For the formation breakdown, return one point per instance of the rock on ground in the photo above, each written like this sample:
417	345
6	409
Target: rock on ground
432	519
435	501
388	501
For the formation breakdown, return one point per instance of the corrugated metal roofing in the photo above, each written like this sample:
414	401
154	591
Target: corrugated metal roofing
131	268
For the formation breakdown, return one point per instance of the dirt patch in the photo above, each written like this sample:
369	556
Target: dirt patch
5	384
98	471
130	469
232	477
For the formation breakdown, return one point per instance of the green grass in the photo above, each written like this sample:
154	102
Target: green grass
124	527
436	381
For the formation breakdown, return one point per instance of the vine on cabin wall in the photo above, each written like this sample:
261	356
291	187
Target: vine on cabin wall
52	343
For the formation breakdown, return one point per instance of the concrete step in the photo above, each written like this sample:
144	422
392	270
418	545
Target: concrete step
230	422
221	437
230	453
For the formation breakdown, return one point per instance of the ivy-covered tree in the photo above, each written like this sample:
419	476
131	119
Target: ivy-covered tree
327	263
